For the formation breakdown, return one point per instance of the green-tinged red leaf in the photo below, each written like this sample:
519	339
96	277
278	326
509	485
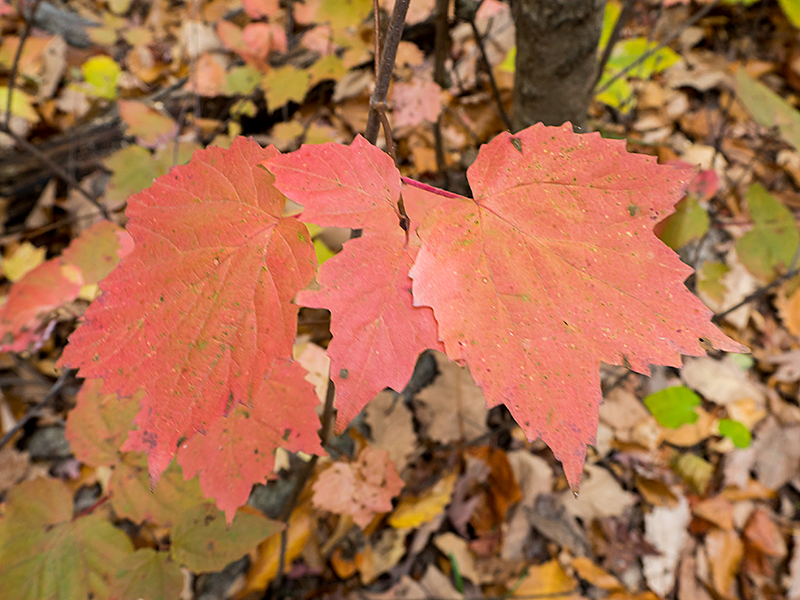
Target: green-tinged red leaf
99	424
150	127
202	541
134	168
134	499
45	554
199	311
148	575
24	316
89	258
554	267
377	331
98	250
239	449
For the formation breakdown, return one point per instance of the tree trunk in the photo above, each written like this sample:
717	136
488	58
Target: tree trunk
556	60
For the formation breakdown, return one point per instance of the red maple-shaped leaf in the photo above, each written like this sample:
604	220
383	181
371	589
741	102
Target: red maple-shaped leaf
199	311
554	267
239	449
377	331
88	259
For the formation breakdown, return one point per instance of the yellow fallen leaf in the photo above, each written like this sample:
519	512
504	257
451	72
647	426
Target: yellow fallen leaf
101	74
595	575
21	104
413	512
265	566
25	258
548	579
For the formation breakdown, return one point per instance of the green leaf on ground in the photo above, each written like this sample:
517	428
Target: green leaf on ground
148	575
710	279
791	8
769	247
768	109
46	554
689	222
133	498
673	406
625	54
202	542
736	431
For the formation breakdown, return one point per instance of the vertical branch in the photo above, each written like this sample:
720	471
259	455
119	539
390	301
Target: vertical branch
29	20
485	59
291	40
376	14
328	417
627	7
384	77
440	54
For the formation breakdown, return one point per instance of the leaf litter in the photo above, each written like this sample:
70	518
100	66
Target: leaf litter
740	539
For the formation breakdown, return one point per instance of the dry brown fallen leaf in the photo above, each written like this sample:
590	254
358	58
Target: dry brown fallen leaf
776	452
601	496
534	477
724	550
666	529
392	427
453	407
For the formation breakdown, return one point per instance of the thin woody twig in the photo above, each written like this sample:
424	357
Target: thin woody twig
302	479
377	36
495	90
679	30
387	131
440	55
291	39
29	20
384	76
760	292
627	7
34	410
57	169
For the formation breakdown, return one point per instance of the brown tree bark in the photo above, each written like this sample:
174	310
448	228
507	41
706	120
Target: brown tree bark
556	60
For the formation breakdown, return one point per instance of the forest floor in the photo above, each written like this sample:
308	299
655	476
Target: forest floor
691	494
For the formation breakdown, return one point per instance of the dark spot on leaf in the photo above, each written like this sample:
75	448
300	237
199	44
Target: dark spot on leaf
344	373
517	143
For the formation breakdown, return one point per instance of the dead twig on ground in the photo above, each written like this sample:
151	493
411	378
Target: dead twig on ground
37	408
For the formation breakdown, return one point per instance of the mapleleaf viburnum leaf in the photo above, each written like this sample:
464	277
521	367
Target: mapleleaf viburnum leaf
550	269
366	286
47	552
231	456
200	311
87	260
